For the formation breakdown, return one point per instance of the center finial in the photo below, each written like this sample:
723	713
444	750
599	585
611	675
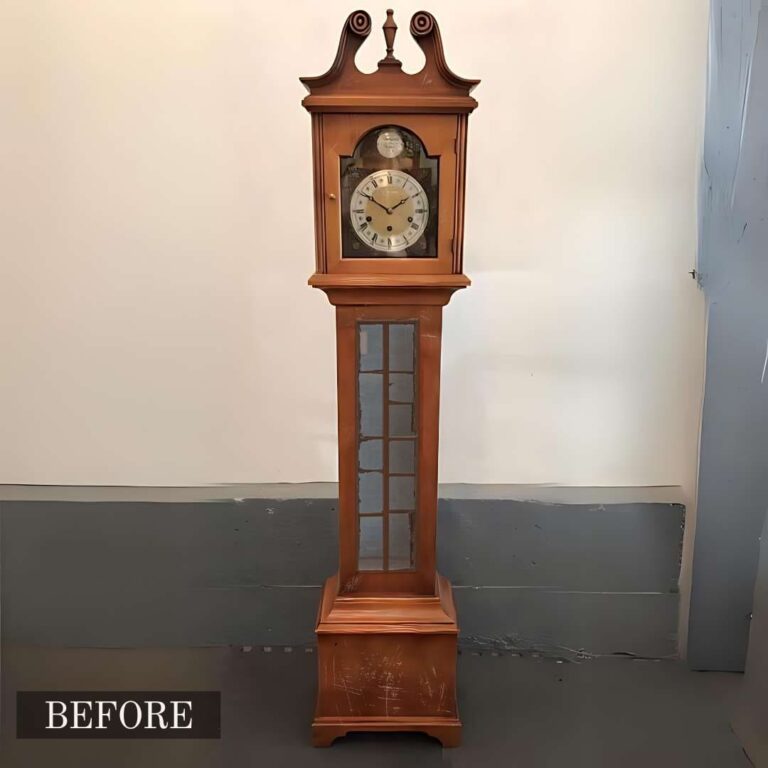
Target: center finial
390	30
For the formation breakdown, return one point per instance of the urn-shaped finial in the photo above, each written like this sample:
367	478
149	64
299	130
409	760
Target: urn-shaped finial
390	30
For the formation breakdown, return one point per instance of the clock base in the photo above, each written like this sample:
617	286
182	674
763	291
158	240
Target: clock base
387	663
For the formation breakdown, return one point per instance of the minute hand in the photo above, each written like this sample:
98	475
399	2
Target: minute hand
374	200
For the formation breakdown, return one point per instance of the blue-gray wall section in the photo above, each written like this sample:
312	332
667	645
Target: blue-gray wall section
733	267
750	722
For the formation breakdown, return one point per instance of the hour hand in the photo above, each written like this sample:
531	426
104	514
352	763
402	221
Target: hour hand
404	200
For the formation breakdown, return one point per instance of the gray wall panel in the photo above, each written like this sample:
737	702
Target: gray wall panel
621	547
569	624
137	573
101	616
216	543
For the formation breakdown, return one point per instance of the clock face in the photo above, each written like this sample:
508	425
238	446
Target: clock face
389	211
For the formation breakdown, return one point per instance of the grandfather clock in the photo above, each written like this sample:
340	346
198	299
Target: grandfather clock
389	159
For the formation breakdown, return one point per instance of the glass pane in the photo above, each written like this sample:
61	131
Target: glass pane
401	420
402	456
401	347
400	549
370	340
371	404
402	493
401	387
370	455
369	493
387	452
371	544
389	197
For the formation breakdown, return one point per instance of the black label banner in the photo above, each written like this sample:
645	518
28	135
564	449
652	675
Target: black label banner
118	714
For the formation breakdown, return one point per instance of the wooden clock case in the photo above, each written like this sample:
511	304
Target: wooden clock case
387	639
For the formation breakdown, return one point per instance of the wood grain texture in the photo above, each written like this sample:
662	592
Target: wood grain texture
387	638
439	134
377	612
346	103
387	663
345	88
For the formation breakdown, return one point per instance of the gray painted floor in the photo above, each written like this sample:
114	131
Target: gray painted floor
530	712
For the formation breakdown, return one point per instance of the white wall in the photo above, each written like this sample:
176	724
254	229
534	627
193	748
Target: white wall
157	237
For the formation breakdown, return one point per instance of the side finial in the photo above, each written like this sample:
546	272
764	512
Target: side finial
360	23
422	23
390	30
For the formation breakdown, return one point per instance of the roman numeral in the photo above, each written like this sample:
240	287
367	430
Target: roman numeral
421	210
414	226
362	210
374	237
373	181
389	178
364	226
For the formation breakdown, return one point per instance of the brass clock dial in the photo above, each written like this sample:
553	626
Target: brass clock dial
389	211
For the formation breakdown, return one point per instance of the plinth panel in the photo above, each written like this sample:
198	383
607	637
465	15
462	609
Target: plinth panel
387	665
387	675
